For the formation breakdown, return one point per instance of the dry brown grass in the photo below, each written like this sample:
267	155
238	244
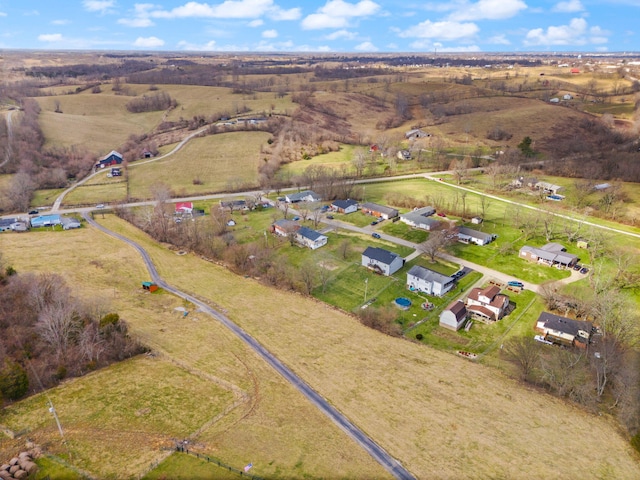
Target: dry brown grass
442	416
202	367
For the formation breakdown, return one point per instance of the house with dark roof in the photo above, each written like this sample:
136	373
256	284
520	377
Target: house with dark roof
232	205
284	227
382	261
112	158
304	196
429	281
468	235
404	155
380	211
421	218
552	255
5	223
310	238
344	206
487	304
454	316
564	331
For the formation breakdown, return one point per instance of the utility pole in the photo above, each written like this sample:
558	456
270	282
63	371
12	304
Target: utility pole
55	415
366	285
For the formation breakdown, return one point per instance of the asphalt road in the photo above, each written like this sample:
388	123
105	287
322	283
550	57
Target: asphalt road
375	450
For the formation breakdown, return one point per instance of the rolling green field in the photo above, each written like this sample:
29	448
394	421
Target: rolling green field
220	162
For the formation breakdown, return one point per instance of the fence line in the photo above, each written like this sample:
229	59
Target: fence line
209	459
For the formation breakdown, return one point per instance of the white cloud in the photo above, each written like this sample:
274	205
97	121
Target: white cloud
487	10
572	34
270	34
569	6
148	42
102	6
428	45
276	13
337	13
366	47
140	16
346	34
255	23
499	40
226	9
57	22
441	30
3	14
50	37
210	46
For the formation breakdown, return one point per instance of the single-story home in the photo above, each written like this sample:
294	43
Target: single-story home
454	316
564	331
112	158
310	238
304	196
46	220
379	211
416	133
404	155
184	208
552	254
70	222
20	226
547	187
420	218
487	304
284	227
468	235
429	281
382	261
233	204
344	206
5	224
567	96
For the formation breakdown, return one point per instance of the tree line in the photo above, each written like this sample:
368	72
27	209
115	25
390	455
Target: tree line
47	334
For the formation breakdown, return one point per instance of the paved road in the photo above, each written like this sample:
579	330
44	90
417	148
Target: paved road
375	450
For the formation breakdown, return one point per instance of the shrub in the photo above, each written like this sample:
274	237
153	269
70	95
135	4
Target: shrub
14	382
419	336
109	319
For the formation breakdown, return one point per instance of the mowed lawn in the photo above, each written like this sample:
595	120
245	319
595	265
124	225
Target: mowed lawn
406	395
266	421
220	162
99	122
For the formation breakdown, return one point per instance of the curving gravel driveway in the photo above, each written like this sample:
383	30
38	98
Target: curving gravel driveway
375	450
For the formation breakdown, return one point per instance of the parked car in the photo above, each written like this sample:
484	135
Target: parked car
295	219
330	217
34	212
375	235
100	205
577	267
375	222
584	270
515	283
440	214
324	208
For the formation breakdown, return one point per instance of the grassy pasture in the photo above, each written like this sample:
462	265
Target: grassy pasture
196	100
181	466
100	121
271	425
221	162
378	374
104	192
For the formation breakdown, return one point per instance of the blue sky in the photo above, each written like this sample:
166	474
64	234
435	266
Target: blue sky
323	26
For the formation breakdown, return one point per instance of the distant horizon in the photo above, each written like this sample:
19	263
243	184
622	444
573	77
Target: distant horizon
324	26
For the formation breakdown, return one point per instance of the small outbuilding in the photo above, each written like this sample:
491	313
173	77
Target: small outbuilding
454	316
150	286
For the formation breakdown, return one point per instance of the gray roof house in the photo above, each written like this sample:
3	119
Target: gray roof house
416	133
382	261
70	222
564	331
420	218
310	238
304	196
454	316
345	206
5	223
429	281
376	210
284	227
468	235
552	254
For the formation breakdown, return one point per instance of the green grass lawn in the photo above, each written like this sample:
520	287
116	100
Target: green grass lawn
52	468
182	466
404	231
358	218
